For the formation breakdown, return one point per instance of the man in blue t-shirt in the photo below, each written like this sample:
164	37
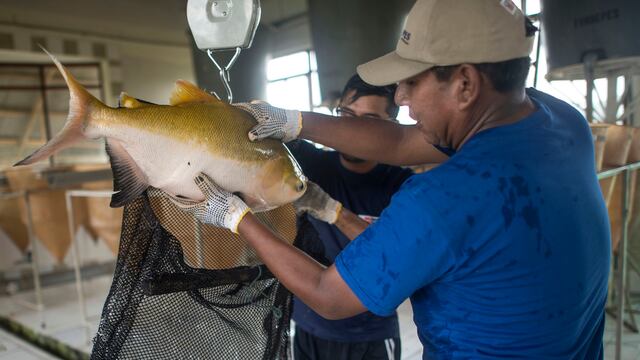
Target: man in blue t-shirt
503	249
363	187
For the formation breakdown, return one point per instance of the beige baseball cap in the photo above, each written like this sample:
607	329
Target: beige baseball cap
451	32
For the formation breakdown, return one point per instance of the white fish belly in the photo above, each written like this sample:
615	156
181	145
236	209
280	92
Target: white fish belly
171	166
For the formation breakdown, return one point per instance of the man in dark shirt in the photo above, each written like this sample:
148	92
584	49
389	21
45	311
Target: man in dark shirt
364	188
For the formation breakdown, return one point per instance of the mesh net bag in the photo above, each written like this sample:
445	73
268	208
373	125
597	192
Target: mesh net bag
182	289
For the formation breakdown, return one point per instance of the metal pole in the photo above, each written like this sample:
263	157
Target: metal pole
535	74
589	73
34	255
309	81
76	265
622	263
611	110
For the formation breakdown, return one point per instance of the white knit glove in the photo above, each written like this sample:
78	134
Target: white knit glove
219	208
277	123
318	204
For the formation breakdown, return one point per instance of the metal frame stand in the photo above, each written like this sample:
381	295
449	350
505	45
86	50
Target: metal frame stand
38	305
621	270
69	194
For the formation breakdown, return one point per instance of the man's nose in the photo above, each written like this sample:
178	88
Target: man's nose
400	96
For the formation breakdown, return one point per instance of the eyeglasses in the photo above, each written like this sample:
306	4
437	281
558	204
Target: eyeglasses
340	111
346	112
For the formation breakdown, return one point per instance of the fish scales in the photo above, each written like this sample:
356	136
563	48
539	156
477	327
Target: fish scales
220	128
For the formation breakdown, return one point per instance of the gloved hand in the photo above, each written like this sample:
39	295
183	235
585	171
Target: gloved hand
277	123
219	208
318	204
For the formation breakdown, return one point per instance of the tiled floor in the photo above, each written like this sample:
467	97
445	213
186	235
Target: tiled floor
62	318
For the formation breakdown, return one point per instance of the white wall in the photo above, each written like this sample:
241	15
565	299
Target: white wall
150	71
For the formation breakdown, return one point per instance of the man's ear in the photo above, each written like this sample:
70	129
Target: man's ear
468	84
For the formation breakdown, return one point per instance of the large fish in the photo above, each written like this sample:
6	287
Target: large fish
166	146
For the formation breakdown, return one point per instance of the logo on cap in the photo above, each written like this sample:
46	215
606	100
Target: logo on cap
406	36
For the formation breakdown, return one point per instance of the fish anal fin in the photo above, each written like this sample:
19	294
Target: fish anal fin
129	181
186	92
129	102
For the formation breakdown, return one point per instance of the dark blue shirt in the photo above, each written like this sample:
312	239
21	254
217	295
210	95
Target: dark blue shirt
366	195
504	249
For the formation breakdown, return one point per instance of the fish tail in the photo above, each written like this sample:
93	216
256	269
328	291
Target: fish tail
73	130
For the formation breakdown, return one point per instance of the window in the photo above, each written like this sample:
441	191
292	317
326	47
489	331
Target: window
403	116
293	82
70	47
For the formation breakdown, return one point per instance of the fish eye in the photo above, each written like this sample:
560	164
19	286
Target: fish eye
300	186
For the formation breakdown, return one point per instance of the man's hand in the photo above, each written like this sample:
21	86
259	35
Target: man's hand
277	123
318	204
219	208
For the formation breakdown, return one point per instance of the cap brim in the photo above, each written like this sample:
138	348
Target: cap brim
389	69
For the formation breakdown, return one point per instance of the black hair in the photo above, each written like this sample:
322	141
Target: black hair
361	88
505	76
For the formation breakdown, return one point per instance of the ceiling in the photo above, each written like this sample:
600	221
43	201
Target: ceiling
152	21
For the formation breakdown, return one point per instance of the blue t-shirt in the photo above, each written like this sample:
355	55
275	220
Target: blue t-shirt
504	249
366	195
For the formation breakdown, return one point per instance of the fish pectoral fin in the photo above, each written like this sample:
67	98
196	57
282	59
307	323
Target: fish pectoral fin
185	92
129	181
129	102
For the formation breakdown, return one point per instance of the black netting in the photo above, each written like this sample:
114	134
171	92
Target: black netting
186	290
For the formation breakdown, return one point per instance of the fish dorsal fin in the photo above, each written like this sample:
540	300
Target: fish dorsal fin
128	180
186	92
129	102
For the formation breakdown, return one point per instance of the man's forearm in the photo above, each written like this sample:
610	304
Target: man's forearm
382	141
350	224
320	288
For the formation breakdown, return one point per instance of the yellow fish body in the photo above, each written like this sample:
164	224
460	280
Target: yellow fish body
166	146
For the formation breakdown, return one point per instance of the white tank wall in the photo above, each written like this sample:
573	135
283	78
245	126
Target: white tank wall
90	250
